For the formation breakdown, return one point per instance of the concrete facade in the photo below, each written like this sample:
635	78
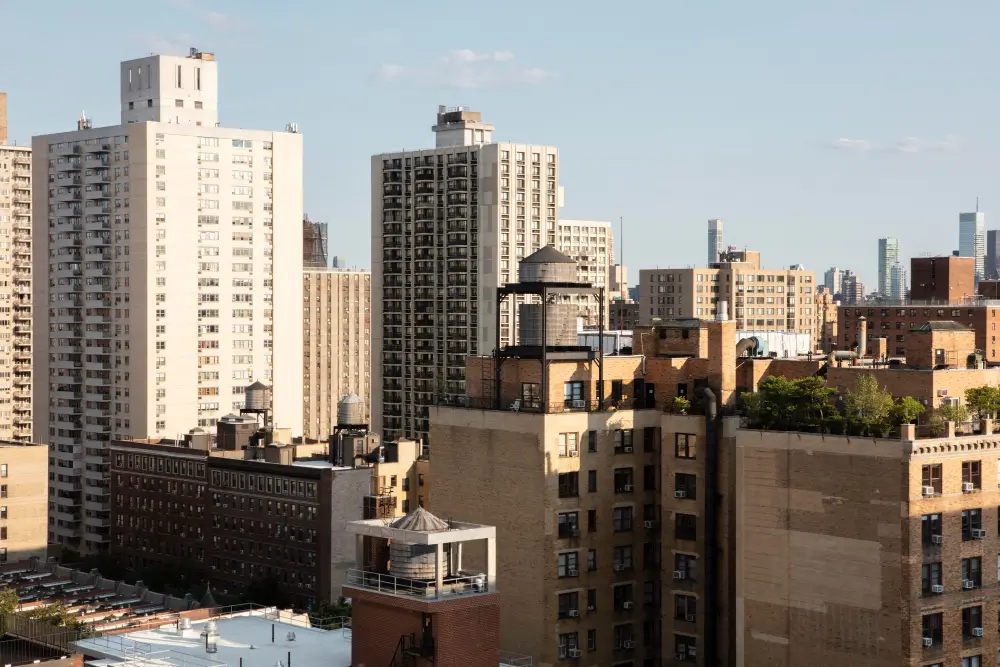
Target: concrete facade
449	225
336	359
16	337
162	250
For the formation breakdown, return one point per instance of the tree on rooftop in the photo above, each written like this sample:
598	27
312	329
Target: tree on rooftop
868	406
983	401
907	409
8	601
953	412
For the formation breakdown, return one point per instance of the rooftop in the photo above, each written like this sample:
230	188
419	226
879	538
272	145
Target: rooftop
941	325
254	636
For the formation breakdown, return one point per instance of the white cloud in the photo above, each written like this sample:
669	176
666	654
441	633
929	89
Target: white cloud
464	68
913	145
906	145
852	144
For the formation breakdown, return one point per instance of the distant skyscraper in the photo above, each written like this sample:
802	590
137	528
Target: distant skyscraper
991	268
314	235
972	239
888	254
854	289
338	262
833	279
714	240
897	282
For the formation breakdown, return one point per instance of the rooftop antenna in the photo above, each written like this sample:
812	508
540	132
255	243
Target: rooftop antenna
977	203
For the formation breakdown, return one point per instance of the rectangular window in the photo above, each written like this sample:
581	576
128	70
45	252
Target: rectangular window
972	572
931	478
685	445
686	567
930	529
567	445
623	441
569	484
569	605
592	442
972	621
573	397
685	608
971	475
685	526
685	486
591	481
531	396
972	523
622	517
569	524
931	578
567	564
624	481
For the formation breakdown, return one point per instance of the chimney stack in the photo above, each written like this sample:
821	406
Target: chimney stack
862	337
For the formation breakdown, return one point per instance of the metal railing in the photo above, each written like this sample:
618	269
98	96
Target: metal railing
393	585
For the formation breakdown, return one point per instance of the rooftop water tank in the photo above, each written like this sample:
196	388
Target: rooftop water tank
350	411
415	561
547	265
560	324
258	396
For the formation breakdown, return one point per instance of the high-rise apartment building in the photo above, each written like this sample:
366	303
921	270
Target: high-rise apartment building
991	265
619	283
592	245
715	246
24	501
833	280
164	240
854	289
897	282
758	299
336	349
888	254
314	244
972	239
449	226
15	287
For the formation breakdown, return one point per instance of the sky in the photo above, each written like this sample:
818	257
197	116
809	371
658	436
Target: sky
810	128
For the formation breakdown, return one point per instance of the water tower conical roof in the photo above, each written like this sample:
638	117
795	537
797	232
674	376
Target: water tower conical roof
420	520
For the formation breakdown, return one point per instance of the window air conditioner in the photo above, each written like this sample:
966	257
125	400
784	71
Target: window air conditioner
979	533
928	492
977	632
968	487
628	644
937	588
681	656
680	493
689	618
573	453
627	450
937	539
627	604
647	524
968	583
573	613
627	488
574	653
572	573
678	574
928	642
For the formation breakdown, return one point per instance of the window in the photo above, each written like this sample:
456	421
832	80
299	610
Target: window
568	564
930	528
621	559
972	661
930	577
972	521
972	621
623	441
531	396
591	481
3	490
685	607
649	478
624	483
932	628
567	642
567	445
591	560
592	443
569	524
573	396
622	518
622	634
569	605
685	526
972	572
591	599
591	520
931	476
569	484
972	474
686	648
3	469
685	446
591	640
686	565
649	439
622	594
685	486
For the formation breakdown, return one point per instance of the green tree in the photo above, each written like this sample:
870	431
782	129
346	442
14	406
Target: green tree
680	405
907	410
8	601
983	401
953	412
56	614
868	407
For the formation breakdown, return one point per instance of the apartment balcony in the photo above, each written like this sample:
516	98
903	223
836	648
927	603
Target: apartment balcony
100	148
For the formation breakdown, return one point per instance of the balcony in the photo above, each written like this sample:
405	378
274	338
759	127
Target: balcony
451	587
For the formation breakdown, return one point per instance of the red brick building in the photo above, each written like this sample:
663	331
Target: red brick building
946	279
896	322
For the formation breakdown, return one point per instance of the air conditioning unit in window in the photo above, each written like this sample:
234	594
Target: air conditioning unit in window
978	533
627	604
628	644
627	450
692	652
627	488
573	613
618	567
968	487
689	618
937	539
928	642
928	492
591	607
681	656
572	573
574	653
977	632
678	574
573	453
680	493
647	524
968	583
937	589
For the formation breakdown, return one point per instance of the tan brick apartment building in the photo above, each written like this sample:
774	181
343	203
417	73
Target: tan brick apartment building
24	498
757	298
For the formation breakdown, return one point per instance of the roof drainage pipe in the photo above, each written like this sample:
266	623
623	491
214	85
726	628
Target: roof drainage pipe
711	513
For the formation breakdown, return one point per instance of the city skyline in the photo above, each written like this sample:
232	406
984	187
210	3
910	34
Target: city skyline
761	168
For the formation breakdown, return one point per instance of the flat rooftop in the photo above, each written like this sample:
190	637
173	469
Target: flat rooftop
244	638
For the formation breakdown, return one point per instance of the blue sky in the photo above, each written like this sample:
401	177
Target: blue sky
812	128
